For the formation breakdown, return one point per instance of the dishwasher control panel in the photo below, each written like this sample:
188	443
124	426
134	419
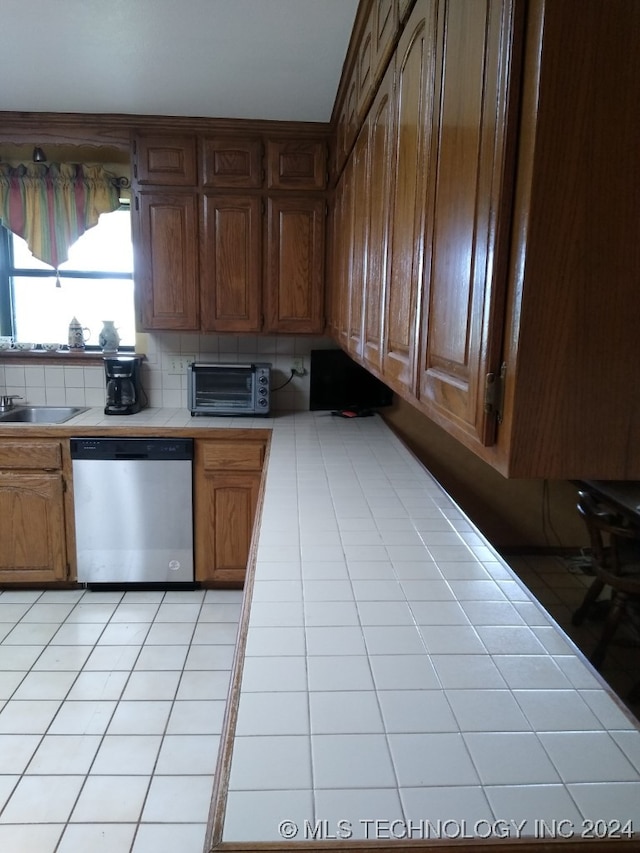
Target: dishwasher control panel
131	448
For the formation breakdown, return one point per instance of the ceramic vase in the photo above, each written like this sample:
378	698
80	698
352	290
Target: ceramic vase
109	339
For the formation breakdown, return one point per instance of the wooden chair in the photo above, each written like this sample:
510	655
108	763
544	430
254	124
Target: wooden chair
615	547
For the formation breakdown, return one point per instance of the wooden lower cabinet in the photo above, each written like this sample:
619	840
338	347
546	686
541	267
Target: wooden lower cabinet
227	477
32	513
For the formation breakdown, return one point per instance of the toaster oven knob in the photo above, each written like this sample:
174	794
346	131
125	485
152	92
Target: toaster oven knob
262	402
262	391
263	380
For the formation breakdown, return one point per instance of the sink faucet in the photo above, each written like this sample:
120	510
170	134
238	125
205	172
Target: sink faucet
6	401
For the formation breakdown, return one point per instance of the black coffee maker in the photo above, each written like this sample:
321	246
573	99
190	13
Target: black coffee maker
124	391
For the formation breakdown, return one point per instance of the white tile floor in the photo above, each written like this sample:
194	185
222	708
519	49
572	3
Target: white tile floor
111	708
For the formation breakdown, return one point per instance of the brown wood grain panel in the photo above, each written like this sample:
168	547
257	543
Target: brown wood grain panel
231	270
232	456
232	162
379	192
296	164
360	239
166	160
365	68
384	30
32	528
410	164
166	260
22	453
295	265
466	278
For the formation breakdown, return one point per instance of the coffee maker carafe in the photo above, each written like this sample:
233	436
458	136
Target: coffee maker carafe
124	392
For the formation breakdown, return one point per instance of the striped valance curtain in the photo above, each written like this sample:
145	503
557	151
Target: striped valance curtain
50	206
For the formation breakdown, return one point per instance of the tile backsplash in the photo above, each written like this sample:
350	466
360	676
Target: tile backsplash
85	385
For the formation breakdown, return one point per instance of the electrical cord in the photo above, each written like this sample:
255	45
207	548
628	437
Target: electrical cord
293	373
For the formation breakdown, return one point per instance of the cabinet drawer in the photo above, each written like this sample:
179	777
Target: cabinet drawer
18	453
231	456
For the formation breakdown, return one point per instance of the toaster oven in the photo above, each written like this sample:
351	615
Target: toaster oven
229	389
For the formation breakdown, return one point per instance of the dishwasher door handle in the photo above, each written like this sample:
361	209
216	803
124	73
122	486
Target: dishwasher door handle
130	456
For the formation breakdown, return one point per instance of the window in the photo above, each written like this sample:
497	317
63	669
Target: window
96	285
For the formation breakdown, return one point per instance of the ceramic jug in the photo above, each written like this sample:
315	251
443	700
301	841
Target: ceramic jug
109	339
77	335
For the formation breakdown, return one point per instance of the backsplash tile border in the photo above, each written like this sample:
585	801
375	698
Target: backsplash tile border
84	385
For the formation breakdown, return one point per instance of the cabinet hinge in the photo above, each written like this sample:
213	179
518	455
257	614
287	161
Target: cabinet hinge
137	204
494	392
135	170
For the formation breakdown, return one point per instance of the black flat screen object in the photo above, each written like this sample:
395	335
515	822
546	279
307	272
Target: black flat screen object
337	382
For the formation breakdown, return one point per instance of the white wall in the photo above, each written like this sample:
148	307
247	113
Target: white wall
85	385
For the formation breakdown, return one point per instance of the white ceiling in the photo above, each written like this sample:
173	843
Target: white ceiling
261	59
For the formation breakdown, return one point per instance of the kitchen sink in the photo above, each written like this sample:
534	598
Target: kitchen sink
40	414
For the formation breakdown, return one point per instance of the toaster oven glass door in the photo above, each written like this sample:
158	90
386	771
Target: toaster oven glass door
223	388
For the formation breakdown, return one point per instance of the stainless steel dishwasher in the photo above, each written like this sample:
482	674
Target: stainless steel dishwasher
133	510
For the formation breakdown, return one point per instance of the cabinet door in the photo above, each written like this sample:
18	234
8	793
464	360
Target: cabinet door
231	252
226	504
337	317
230	162
294	293
226	487
296	164
462	325
380	183
32	529
410	164
344	250
365	66
358	268
165	160
166	260
384	29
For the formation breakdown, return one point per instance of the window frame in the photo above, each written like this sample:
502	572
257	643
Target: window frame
8	271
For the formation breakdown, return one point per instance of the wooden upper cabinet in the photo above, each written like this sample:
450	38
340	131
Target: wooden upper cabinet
294	275
165	160
231	268
296	164
165	227
378	194
461	342
232	162
410	163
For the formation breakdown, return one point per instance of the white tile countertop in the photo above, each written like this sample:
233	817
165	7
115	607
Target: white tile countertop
398	680
395	679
